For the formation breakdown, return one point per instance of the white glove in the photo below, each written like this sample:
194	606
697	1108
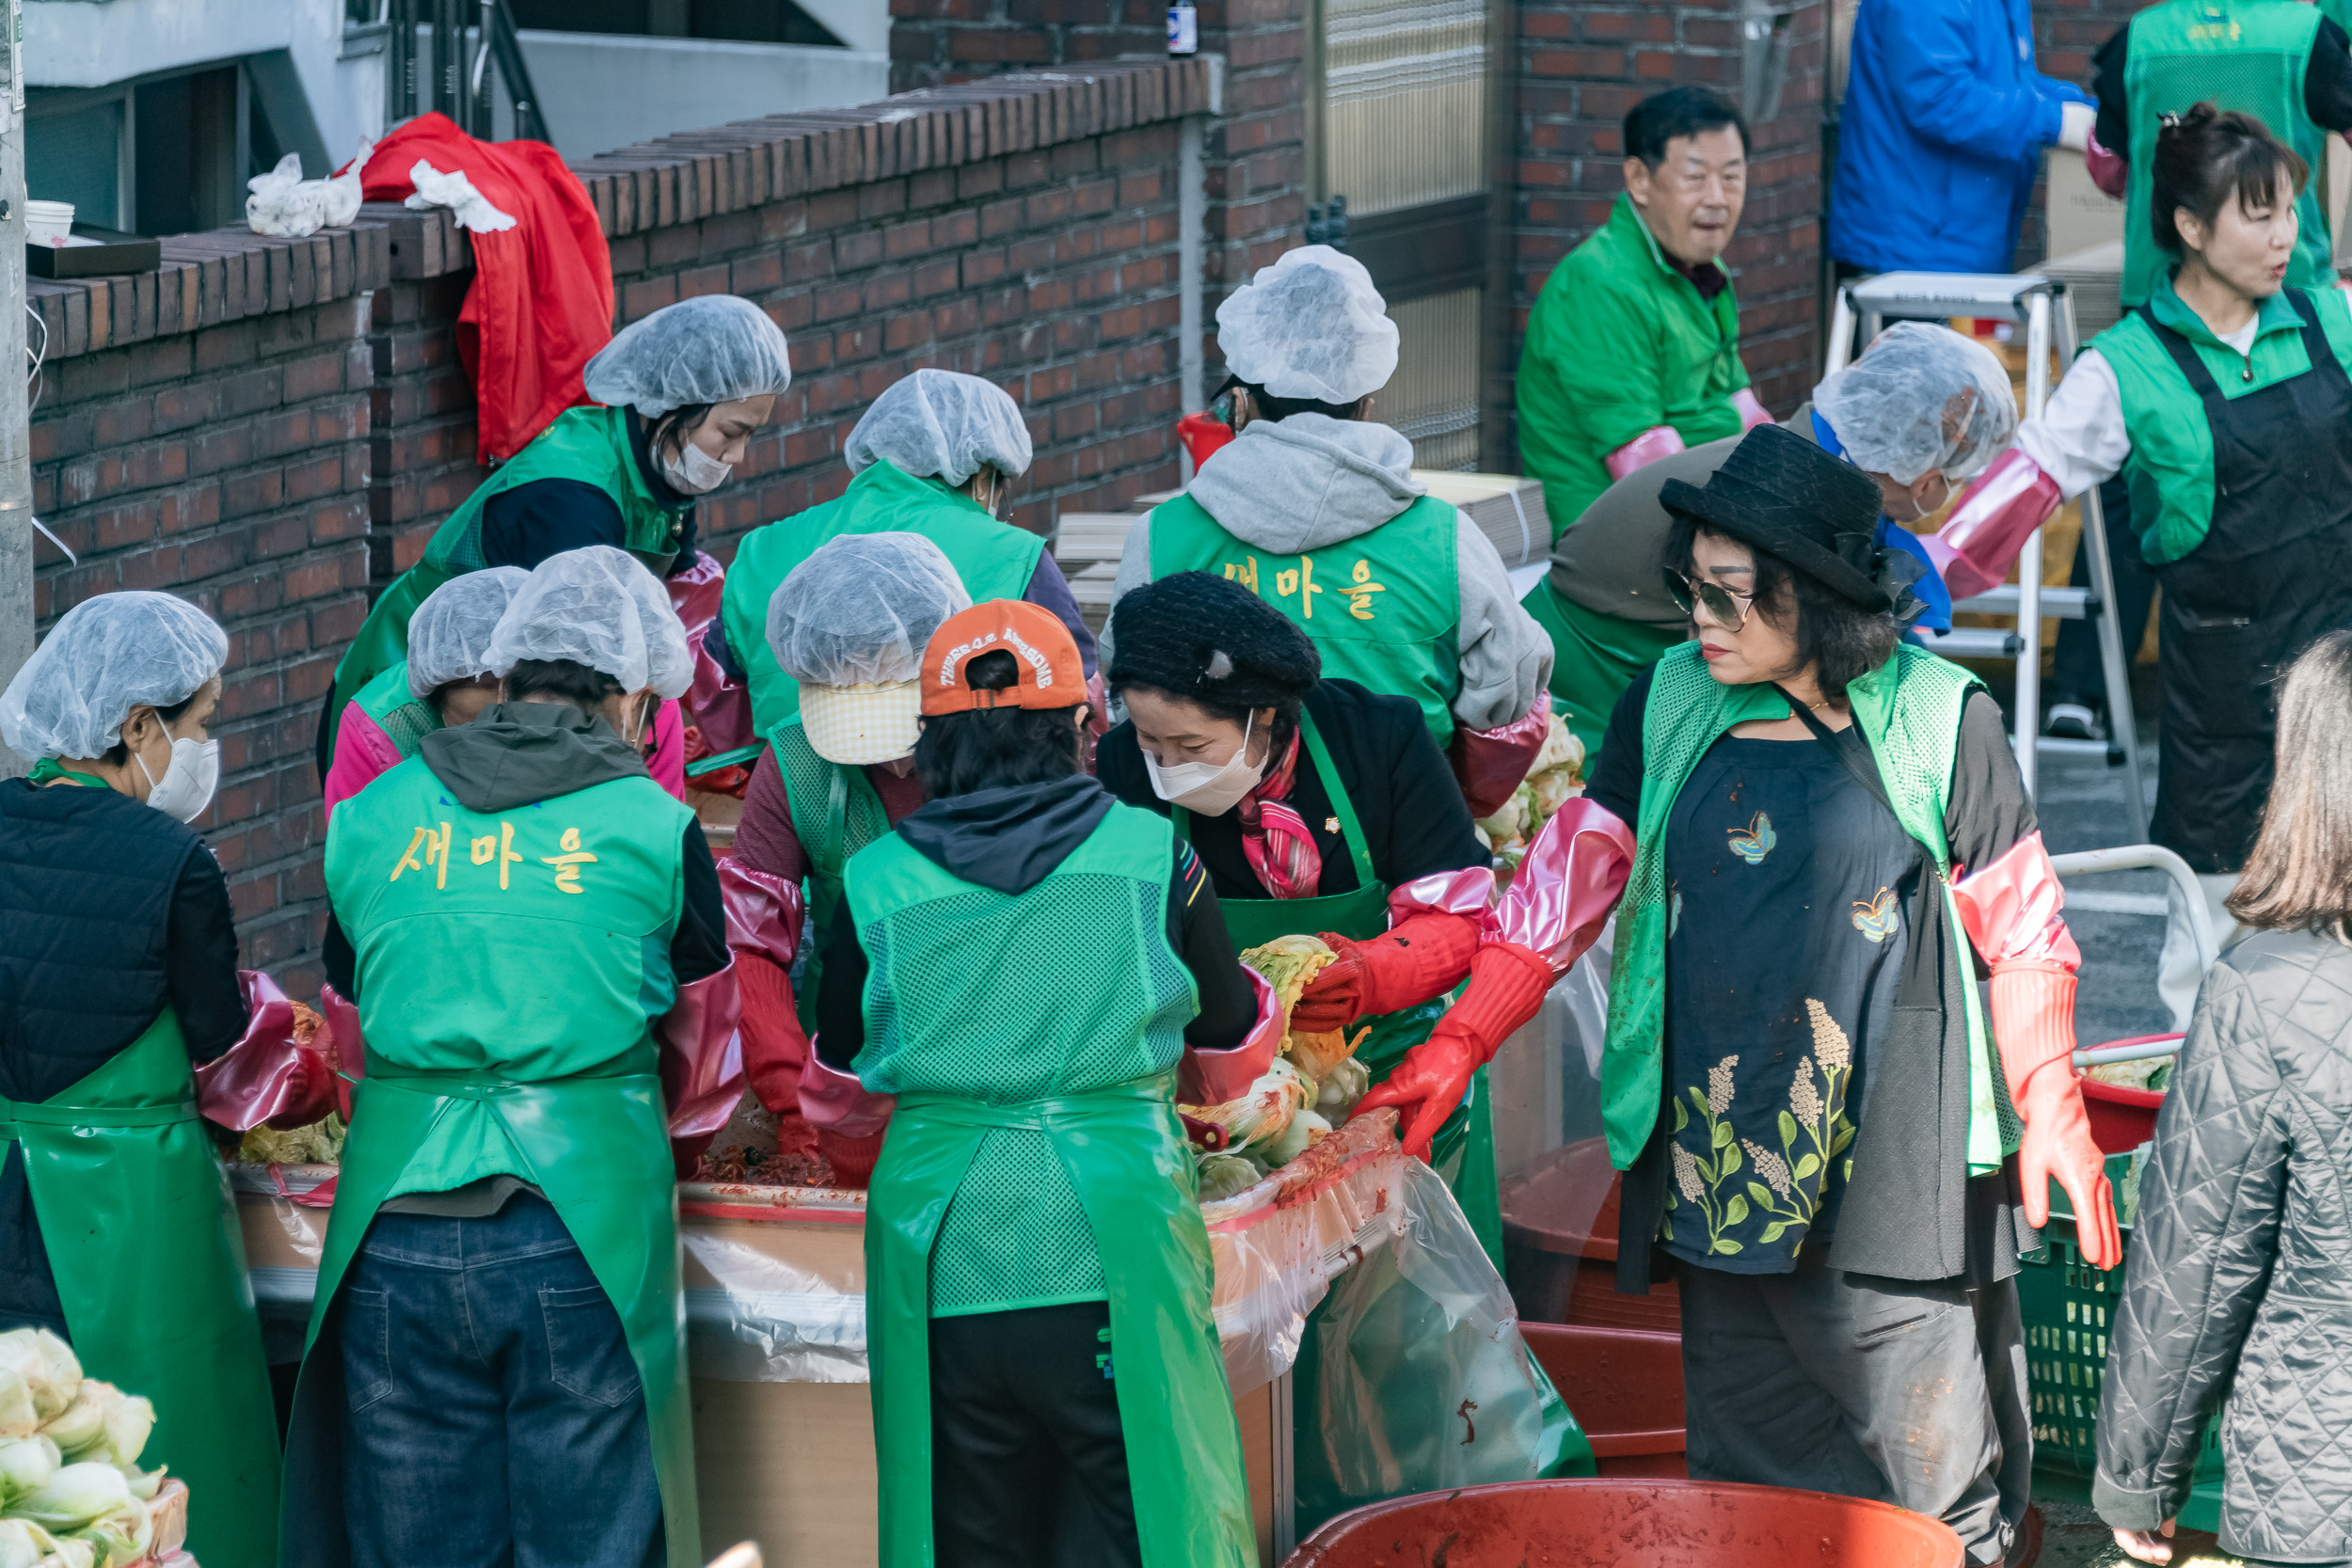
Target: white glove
2075	121
456	193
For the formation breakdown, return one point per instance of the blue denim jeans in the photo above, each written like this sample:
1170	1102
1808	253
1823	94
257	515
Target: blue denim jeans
493	1415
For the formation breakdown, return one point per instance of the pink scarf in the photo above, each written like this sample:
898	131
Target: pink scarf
1275	837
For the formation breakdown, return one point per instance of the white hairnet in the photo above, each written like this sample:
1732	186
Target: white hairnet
860	609
942	424
1921	397
714	348
105	656
1311	325
599	606
449	636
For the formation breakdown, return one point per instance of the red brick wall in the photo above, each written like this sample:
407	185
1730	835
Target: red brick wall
273	427
203	430
1583	64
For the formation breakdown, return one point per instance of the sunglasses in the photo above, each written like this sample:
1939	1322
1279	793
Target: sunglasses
1727	609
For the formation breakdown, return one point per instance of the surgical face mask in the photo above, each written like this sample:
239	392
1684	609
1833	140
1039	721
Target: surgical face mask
189	779
1210	788
694	471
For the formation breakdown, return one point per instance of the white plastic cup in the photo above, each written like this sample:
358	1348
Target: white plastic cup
48	223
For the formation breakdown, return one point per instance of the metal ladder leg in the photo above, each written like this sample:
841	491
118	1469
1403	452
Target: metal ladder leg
1840	333
2115	657
2029	709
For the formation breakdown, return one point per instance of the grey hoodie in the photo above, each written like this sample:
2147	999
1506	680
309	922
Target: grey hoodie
1310	481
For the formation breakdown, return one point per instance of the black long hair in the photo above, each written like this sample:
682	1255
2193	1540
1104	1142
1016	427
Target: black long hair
995	748
1848	641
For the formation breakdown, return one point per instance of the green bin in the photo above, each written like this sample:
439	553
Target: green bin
2067	1306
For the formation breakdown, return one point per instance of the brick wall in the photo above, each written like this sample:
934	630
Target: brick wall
273	427
1583	64
203	430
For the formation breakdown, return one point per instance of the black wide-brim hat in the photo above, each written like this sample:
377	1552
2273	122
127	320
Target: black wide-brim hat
1779	492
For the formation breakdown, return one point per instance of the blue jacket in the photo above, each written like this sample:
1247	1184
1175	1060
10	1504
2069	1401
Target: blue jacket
1942	135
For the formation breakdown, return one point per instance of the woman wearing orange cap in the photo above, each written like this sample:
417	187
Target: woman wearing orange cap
1032	969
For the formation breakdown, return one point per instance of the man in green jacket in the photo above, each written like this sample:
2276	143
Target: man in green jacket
934	456
1633	349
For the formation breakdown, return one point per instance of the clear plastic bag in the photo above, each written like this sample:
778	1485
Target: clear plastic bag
1413	1377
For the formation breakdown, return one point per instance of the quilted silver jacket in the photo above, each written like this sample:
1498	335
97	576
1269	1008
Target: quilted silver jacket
2240	1280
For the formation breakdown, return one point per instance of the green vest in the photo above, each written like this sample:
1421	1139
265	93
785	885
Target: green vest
1036	1155
836	814
404	718
590	445
511	965
2246	54
995	560
1384	607
2170	469
1594	658
1908	711
143	1237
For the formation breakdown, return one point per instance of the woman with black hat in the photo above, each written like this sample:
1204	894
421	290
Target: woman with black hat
1320	807
1821	1143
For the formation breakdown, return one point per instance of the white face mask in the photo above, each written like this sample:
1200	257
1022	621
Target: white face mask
694	471
1208	787
189	779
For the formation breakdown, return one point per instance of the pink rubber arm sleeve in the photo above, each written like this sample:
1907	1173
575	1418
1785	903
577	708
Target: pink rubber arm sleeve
1643	449
834	1101
2013	910
2109	172
668	763
1568	884
363	751
1752	409
1490	765
266	1076
1213	1077
1975	548
702	1056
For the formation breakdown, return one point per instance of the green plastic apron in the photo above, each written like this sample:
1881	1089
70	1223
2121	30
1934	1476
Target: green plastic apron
1127	1159
596	1145
142	1236
1464	1149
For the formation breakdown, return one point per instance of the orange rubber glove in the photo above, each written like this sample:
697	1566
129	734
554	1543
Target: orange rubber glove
1420	957
853	1159
1506	986
2033	1024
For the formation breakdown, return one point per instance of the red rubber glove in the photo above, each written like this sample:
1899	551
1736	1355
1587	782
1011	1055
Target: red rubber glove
2033	1021
853	1159
1507	986
1420	957
774	1050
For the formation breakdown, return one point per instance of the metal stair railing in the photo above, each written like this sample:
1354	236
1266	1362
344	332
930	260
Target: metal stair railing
453	57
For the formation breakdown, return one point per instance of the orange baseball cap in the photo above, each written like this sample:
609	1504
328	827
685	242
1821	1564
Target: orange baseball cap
1051	673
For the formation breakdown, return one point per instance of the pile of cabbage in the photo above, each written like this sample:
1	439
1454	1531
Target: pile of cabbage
72	1494
1309	1088
1553	778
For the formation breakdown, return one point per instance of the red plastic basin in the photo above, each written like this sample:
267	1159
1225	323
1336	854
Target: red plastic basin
1624	1387
1562	1267
1630	1524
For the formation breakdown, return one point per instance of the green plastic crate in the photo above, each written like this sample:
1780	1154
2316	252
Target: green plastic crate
2067	1306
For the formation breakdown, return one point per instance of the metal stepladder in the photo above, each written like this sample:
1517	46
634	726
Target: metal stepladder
2042	307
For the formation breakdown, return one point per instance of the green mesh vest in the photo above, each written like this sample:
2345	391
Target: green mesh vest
1011	998
1384	607
590	445
2244	55
532	943
836	814
995	560
1909	712
405	719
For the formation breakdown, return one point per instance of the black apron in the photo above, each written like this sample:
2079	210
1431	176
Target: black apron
2273	573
